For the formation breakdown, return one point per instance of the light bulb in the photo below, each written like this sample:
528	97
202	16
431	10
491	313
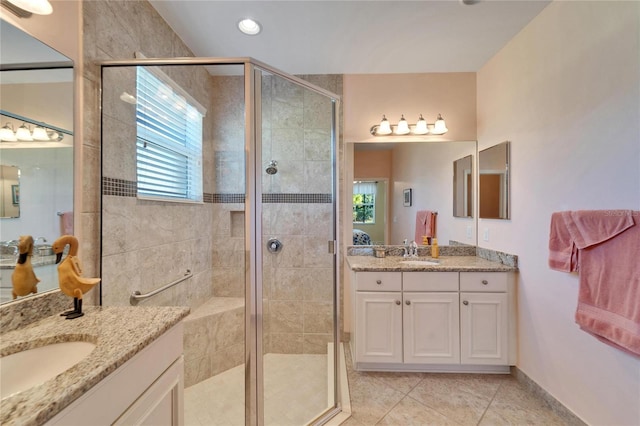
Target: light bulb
40	134
37	7
23	133
421	127
440	128
249	27
384	128
7	134
403	127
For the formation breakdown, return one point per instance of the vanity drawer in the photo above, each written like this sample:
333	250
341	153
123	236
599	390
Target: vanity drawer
379	281
430	281
483	281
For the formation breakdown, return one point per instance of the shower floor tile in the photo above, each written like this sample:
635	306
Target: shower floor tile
295	392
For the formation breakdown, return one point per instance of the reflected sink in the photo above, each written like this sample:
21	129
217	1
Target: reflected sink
419	262
8	262
32	367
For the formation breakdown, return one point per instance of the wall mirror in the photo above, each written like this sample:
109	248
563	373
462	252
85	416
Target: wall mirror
36	93
425	167
494	182
463	187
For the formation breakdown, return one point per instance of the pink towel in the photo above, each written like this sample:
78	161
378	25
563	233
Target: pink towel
66	223
425	225
604	246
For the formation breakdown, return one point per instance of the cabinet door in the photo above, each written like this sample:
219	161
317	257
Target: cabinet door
431	328
483	328
378	327
162	403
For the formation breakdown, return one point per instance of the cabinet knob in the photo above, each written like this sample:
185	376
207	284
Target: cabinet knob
485	282
408	302
398	302
465	302
378	282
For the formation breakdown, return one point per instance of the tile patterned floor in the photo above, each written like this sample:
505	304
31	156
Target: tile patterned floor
295	392
420	399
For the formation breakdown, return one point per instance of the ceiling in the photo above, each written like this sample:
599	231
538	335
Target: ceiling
353	37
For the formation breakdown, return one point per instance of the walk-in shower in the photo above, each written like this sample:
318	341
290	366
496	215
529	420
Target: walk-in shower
189	183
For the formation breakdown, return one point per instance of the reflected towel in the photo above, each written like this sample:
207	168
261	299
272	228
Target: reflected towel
425	225
603	246
66	223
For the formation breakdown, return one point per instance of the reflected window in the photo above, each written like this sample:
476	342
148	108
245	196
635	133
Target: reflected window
364	202
169	139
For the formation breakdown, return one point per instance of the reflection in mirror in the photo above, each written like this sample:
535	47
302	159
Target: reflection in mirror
9	192
494	182
36	90
425	167
463	187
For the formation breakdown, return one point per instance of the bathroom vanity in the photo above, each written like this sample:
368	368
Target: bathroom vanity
454	316
133	375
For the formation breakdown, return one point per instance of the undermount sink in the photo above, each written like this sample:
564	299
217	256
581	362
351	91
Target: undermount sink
419	262
23	370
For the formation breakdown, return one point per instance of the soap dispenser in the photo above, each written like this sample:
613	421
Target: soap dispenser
434	248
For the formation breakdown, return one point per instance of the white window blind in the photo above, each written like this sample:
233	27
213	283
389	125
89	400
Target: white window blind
169	140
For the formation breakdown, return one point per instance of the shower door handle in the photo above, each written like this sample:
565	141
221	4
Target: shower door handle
332	247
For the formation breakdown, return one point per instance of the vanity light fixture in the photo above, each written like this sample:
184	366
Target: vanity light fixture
23	133
40	134
37	7
249	26
403	128
7	134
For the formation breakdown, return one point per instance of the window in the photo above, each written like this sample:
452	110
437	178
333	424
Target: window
364	202
169	139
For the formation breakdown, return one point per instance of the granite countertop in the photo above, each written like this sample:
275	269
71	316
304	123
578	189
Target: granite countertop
119	333
445	264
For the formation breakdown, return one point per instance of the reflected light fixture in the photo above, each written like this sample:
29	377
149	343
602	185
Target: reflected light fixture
37	7
403	128
40	134
249	26
7	134
23	133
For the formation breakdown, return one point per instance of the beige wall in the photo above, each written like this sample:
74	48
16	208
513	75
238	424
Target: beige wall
372	164
368	96
566	92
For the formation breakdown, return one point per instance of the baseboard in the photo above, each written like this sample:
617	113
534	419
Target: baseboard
568	417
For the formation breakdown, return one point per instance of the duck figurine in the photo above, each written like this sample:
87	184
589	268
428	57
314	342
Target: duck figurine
70	278
24	279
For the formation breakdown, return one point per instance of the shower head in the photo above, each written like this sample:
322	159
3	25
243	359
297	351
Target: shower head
272	168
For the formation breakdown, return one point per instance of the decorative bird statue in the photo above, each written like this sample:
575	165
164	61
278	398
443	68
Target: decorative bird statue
24	280
70	274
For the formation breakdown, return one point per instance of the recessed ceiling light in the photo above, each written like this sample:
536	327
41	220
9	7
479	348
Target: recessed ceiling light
249	26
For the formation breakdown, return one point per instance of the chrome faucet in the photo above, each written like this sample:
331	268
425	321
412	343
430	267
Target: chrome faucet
43	239
413	249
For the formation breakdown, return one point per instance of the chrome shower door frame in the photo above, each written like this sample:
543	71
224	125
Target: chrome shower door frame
254	372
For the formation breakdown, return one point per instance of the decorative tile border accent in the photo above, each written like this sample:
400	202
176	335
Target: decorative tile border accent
128	188
119	187
298	198
568	418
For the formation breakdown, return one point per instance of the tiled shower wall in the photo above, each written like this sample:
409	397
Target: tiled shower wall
149	249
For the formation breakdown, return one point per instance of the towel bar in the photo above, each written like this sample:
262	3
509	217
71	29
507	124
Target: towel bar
136	296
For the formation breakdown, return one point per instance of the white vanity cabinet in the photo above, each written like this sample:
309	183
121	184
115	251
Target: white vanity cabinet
146	390
484	318
433	321
378	303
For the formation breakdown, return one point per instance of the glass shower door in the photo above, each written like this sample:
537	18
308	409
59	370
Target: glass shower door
298	269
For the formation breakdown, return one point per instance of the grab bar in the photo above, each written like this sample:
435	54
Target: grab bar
136	296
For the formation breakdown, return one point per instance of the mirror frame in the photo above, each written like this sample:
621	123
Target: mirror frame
502	171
